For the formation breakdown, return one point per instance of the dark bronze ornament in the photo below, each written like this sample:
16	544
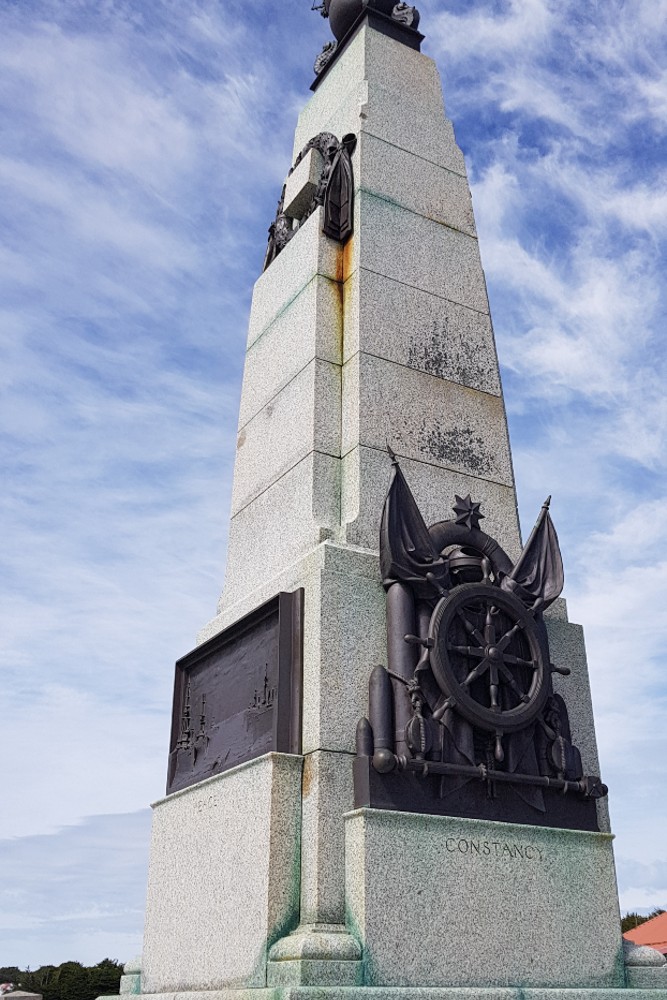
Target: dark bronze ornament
325	57
334	191
407	15
397	20
238	696
464	719
467	513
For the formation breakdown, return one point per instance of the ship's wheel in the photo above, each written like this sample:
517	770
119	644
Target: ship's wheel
487	658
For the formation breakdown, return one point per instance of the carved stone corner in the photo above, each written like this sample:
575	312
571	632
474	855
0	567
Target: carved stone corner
316	955
642	956
130	982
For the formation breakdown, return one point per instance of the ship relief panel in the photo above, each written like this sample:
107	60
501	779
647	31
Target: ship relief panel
238	696
463	719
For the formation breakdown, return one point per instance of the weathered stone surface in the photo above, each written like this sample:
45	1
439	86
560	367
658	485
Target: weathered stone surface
414	183
416	251
642	956
316	955
310	327
308	254
223	880
437	901
302	184
327	794
303	417
647	978
395	321
414	993
303	508
568	649
406	79
424	418
365	478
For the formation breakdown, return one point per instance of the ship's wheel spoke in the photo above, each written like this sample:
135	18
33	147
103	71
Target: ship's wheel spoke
513	684
476	673
476	651
516	661
490	627
503	643
471	629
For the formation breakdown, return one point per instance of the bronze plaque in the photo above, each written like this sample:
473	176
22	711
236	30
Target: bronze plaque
238	696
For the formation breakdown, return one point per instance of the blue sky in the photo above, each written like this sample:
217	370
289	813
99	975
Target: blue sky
143	150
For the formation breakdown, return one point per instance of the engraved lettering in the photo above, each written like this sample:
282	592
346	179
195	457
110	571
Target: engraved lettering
493	848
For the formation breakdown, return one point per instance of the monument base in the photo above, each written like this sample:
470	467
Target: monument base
442	901
223	880
408	993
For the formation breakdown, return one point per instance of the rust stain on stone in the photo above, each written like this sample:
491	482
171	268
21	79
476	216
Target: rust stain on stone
308	779
240	441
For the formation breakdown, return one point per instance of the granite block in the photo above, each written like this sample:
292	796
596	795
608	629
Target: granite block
365	480
223	880
316	955
310	327
441	902
411	128
568	649
351	639
304	417
280	526
419	330
308	253
424	418
368	109
130	985
414	183
409	77
327	793
302	183
417	251
647	978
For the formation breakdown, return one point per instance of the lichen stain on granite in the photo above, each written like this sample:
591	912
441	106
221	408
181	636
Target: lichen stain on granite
458	446
436	355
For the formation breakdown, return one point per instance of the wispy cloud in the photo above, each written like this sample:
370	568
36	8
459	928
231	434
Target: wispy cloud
78	892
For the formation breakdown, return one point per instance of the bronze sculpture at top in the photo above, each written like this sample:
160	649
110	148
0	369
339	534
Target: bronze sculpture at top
345	15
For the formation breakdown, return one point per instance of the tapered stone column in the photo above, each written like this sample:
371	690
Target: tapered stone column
385	340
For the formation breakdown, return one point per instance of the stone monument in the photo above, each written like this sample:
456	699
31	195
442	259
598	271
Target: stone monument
383	777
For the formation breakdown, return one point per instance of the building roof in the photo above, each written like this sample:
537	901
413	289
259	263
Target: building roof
653	933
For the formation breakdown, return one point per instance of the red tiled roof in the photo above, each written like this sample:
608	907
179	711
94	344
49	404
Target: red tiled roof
653	932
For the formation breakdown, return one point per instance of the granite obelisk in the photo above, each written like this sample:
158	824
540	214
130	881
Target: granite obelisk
370	327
